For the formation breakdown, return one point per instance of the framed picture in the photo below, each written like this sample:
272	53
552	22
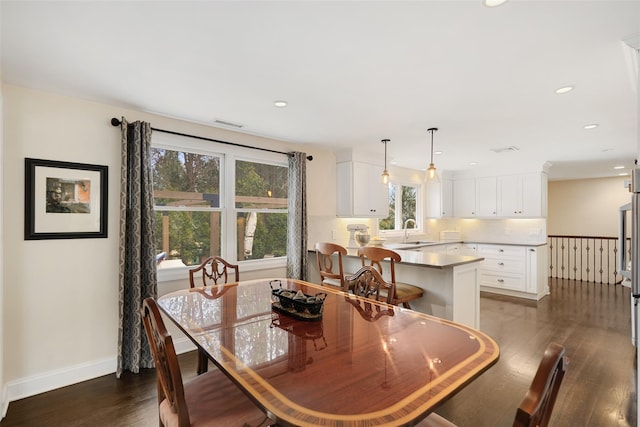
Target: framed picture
64	200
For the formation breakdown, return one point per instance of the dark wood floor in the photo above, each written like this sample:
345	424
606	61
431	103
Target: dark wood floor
591	321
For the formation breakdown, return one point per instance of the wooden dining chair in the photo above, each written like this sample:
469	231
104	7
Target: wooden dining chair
210	399
368	283
212	271
324	256
403	292
535	409
368	310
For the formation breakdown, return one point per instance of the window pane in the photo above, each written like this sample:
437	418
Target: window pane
185	179
389	223
261	235
261	186
409	205
185	236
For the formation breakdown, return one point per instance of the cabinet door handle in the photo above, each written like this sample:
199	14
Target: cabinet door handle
501	263
500	280
500	250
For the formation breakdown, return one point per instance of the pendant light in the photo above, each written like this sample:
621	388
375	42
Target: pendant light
385	172
431	171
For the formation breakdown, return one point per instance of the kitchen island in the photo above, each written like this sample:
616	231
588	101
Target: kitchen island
450	282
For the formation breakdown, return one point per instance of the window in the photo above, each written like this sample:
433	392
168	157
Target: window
216	203
186	190
261	210
403	205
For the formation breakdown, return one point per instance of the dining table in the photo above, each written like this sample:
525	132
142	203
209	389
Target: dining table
338	360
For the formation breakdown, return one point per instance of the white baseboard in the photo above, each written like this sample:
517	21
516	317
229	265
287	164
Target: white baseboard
5	402
183	345
52	380
30	386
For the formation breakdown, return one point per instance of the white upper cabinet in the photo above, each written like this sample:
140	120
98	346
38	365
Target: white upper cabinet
474	197
504	196
486	191
360	190
522	195
464	198
440	199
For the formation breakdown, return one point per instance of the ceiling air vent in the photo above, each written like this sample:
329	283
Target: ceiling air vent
504	149
226	123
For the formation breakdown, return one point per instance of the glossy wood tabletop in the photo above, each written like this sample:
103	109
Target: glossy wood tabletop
361	364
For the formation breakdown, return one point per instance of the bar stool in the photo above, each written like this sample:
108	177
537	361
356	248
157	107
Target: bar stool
324	253
404	292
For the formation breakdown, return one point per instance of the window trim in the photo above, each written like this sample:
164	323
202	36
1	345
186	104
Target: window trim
228	157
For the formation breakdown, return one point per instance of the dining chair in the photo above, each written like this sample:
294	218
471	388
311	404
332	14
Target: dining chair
324	256
210	399
403	292
535	409
368	310
368	283
214	271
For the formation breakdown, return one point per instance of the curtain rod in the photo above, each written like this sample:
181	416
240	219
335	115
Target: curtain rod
115	123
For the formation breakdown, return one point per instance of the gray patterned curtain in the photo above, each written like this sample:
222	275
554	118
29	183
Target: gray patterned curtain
297	218
137	246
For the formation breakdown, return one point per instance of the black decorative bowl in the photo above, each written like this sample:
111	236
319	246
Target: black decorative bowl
296	303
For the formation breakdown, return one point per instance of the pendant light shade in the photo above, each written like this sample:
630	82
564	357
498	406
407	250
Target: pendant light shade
431	171
385	172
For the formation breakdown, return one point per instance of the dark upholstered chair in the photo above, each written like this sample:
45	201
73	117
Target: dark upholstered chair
535	409
404	292
210	399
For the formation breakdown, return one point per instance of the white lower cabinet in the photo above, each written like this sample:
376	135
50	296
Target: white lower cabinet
513	270
462	248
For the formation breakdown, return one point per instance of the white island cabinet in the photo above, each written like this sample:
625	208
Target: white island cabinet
450	282
360	190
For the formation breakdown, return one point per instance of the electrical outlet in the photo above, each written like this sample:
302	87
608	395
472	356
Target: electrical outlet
333	234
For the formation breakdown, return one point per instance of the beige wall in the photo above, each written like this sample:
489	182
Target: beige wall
60	302
587	207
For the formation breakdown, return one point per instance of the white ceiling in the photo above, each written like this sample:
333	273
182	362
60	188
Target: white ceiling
356	72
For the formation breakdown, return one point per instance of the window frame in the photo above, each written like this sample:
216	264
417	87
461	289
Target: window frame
228	155
419	226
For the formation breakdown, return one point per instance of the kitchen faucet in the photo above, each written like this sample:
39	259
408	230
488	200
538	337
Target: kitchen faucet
406	223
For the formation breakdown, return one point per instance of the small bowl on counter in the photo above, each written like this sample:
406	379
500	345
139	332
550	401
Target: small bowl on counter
377	241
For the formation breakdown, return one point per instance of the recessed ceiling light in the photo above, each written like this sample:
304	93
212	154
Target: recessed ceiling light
591	126
493	3
473	163
623	174
438	152
280	104
618	167
564	89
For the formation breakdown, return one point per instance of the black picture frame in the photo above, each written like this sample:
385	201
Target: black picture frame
65	200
